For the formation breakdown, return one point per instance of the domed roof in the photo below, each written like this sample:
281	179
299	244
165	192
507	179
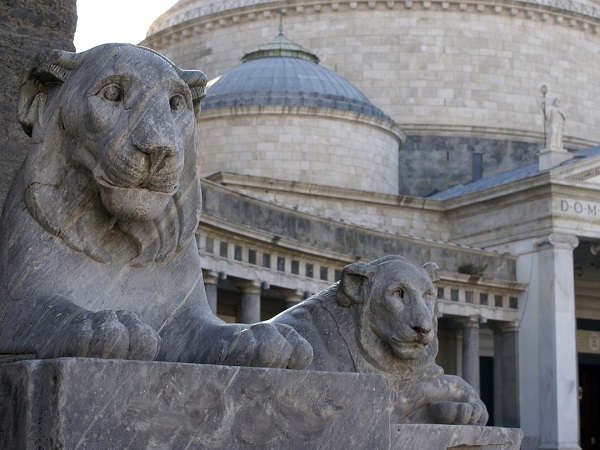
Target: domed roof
285	74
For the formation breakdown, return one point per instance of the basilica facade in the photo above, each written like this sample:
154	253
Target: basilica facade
342	131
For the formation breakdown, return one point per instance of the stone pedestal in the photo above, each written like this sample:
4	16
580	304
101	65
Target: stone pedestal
452	437
115	404
552	157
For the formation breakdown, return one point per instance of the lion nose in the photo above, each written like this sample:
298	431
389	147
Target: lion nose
157	139
422	330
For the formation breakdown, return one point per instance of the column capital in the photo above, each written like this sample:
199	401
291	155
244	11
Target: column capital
504	327
294	296
558	240
470	321
210	276
248	286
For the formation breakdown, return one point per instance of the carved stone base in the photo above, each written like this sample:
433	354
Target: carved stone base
115	404
419	437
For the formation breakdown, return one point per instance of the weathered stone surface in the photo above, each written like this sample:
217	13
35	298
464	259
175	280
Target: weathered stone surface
109	404
223	204
27	28
98	256
382	318
471	437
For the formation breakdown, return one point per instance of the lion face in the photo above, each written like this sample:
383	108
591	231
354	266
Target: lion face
114	140
402	309
394	306
130	123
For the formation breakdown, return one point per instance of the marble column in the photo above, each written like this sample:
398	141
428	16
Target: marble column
470	351
559	405
506	374
547	345
211	279
293	298
250	305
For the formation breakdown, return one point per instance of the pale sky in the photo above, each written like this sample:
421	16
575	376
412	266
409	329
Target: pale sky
105	21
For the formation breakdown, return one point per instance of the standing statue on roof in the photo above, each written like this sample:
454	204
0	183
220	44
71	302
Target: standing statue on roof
555	124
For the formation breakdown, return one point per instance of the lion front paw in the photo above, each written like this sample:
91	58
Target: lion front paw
268	345
459	413
108	334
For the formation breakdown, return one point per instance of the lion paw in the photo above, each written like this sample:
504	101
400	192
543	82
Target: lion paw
459	413
268	345
108	334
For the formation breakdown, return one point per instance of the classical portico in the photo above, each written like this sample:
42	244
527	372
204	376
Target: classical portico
543	216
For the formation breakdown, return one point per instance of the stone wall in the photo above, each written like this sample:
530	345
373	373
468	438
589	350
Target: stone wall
442	70
283	222
432	66
430	164
326	147
27	28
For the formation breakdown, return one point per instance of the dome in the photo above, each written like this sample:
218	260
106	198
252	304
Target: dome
285	74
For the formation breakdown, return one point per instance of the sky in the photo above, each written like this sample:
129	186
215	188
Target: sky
99	22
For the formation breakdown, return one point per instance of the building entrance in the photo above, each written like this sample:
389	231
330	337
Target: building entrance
589	406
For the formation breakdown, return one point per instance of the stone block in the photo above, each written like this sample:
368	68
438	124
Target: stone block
115	404
420	437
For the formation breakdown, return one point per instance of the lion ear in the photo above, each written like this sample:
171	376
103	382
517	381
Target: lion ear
196	80
433	271
354	283
32	93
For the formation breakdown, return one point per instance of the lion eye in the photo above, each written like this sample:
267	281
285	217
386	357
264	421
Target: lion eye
113	93
177	102
398	293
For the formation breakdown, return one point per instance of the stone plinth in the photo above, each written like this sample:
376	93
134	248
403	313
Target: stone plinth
420	437
115	404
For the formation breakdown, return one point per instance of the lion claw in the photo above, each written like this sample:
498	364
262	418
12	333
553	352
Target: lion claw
458	413
268	345
108	334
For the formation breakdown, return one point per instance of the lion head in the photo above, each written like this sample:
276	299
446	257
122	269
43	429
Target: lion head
114	141
395	312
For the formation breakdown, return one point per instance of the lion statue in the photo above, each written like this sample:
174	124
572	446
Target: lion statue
97	234
381	317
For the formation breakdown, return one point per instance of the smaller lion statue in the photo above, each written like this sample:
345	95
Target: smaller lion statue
381	317
97	249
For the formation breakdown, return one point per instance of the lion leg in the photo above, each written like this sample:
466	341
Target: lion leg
55	327
200	337
458	403
443	399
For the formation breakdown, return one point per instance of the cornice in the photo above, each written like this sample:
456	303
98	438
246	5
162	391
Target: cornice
231	12
416	240
296	187
286	110
500	133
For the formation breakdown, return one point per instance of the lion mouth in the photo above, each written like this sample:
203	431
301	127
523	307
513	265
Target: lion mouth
105	182
416	343
133	203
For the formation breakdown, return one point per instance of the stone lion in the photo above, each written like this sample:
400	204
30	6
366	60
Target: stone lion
97	234
381	317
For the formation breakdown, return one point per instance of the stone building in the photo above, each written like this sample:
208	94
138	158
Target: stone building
416	128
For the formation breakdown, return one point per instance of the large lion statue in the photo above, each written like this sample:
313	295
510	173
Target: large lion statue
381	317
98	256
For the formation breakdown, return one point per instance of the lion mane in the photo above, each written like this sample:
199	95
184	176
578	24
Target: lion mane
64	199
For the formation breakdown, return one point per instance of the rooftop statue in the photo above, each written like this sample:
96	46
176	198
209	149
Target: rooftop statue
98	256
555	124
382	318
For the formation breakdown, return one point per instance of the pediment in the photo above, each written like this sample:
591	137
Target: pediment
581	170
